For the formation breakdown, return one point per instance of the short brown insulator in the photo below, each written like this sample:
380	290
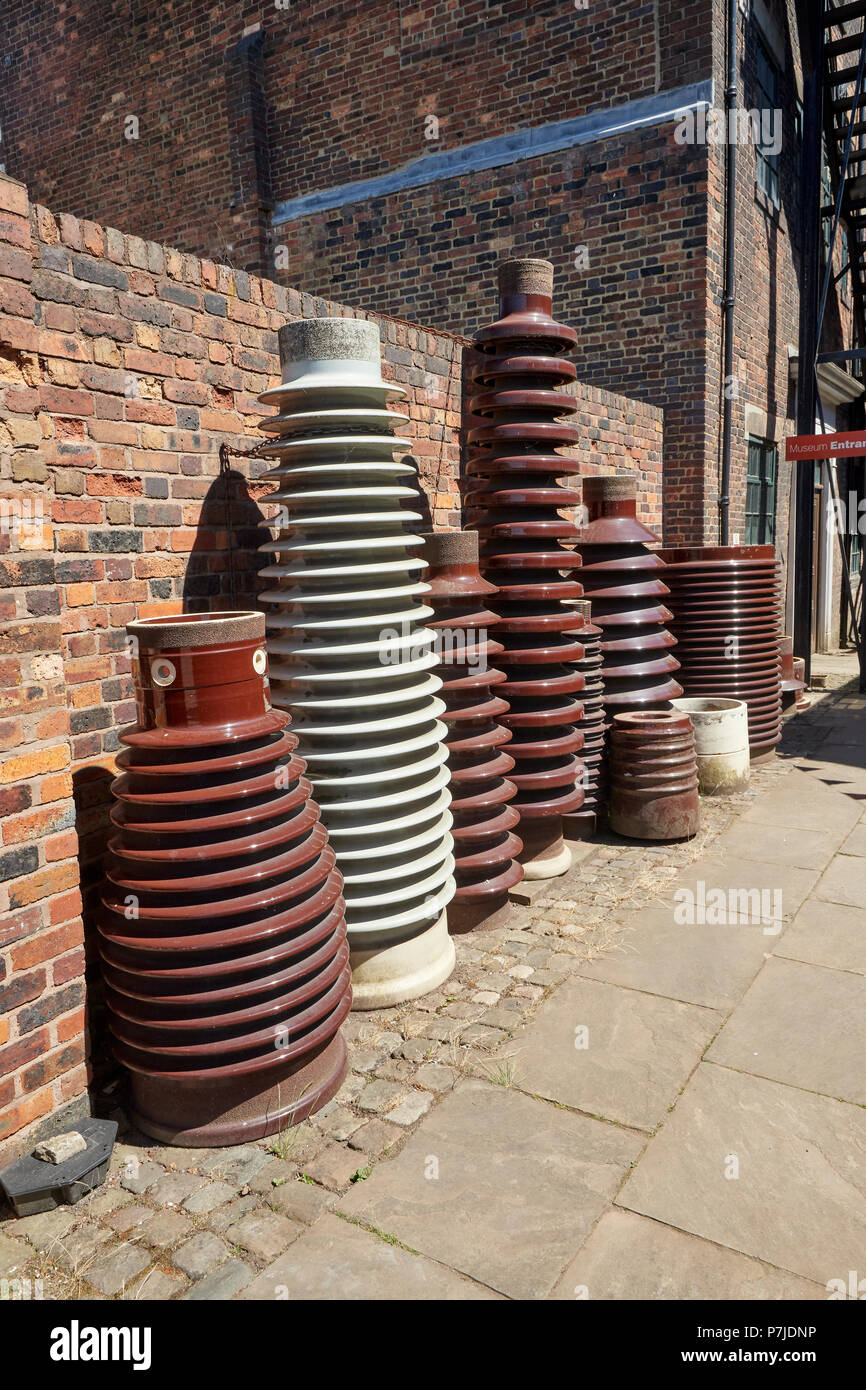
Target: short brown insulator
653	776
791	684
478	762
582	825
726	602
802	697
515	506
222	928
624	580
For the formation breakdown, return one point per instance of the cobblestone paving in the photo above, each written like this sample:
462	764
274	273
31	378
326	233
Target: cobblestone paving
203	1224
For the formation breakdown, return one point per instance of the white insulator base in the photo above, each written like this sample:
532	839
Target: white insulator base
548	864
395	971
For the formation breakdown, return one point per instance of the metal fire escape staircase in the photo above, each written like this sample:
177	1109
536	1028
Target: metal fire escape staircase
833	41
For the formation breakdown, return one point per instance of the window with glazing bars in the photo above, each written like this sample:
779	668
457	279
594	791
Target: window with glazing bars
761	492
769	81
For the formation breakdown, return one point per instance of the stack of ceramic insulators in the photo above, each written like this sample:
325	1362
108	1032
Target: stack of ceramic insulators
222	930
351	656
727	609
516	504
582	824
478	758
622	576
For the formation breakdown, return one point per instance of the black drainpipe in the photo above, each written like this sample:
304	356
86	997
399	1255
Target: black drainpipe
729	298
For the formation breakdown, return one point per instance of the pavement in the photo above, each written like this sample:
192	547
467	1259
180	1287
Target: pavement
649	1084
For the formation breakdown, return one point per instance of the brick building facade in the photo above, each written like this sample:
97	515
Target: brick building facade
388	156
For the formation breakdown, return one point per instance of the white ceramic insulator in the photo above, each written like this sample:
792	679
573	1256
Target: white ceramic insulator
350	656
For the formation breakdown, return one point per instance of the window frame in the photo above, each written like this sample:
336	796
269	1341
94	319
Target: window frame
762	471
767	170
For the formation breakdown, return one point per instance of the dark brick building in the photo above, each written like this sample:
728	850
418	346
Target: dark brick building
389	155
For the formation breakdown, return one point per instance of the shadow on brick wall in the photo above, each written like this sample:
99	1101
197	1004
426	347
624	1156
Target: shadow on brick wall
91	791
418	505
224	563
468	422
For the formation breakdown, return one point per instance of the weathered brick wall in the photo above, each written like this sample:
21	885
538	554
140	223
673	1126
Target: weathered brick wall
124	366
347	88
42	1033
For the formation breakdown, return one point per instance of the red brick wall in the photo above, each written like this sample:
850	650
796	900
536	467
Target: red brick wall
124	366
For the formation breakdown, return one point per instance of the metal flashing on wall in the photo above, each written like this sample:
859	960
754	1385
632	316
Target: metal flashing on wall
504	149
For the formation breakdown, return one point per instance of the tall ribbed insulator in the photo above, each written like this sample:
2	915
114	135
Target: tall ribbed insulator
727	611
582	824
478	761
653	776
351	657
623	579
222	931
515	506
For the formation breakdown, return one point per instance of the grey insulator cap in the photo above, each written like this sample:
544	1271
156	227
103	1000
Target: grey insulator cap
198	629
525	276
310	340
610	489
450	548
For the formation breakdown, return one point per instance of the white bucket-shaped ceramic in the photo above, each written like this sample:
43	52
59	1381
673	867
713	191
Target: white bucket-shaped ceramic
721	742
351	657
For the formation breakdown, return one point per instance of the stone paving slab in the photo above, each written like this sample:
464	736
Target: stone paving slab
611	1052
336	1259
847	752
801	1024
844	881
799	1202
497	1185
856	842
701	964
830	769
630	1257
748	876
780	844
803	804
825	933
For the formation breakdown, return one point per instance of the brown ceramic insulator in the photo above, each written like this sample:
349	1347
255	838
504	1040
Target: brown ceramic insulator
222	927
653	791
625	582
791	685
803	698
582	824
726	602
485	846
515	506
